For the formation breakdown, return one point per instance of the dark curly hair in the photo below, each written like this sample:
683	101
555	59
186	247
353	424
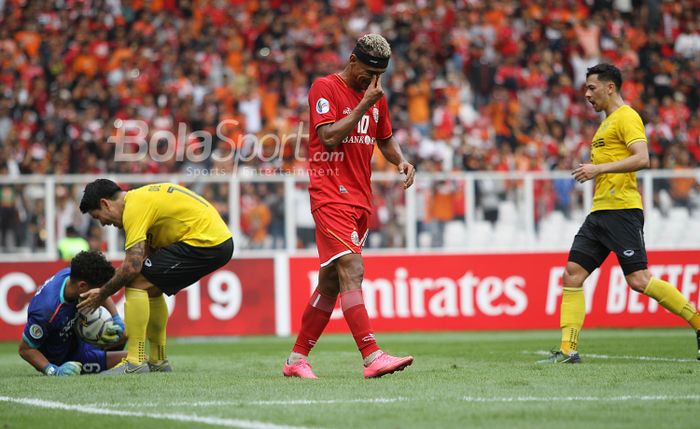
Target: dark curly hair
607	73
91	267
95	191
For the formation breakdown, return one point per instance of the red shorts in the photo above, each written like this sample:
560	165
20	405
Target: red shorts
340	229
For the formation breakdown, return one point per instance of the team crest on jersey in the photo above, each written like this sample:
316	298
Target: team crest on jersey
347	111
36	332
375	114
355	237
323	106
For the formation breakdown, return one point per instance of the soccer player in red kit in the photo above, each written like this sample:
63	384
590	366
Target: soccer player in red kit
349	114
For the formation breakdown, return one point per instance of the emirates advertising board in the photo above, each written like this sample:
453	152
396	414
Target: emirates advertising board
420	292
238	299
497	291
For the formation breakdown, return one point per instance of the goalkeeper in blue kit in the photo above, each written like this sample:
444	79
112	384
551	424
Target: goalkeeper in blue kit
49	342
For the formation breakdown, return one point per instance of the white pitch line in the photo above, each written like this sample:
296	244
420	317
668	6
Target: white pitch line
320	401
248	403
214	421
652	358
583	398
253	424
623	357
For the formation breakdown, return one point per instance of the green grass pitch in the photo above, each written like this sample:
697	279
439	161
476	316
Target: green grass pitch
629	379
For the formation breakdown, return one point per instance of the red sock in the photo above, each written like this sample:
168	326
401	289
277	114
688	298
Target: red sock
313	322
358	321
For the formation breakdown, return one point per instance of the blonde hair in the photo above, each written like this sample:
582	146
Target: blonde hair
374	45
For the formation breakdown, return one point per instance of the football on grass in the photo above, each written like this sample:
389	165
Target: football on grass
90	326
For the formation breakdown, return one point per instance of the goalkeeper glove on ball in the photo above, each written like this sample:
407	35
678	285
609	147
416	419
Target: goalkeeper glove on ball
68	368
113	331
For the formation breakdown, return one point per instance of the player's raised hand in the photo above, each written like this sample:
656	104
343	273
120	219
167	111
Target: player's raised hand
374	91
91	300
409	171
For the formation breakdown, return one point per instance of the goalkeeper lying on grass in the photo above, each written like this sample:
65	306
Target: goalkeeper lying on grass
49	342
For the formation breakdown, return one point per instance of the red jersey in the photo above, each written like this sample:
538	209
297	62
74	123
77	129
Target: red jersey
342	174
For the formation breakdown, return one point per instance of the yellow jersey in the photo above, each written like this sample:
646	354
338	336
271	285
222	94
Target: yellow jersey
165	213
615	191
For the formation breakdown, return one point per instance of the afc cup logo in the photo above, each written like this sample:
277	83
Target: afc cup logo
323	106
375	114
36	332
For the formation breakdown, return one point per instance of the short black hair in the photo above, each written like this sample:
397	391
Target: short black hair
607	73
95	191
91	267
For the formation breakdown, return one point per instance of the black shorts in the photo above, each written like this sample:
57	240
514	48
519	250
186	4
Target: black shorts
179	265
605	231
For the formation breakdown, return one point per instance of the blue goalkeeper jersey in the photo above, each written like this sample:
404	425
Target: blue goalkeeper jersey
50	320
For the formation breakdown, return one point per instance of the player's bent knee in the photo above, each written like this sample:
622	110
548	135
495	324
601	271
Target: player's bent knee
141	282
574	275
154	292
350	269
328	282
638	280
350	278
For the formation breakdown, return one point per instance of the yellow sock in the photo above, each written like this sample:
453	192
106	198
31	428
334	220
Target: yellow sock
136	313
672	300
157	324
572	313
695	321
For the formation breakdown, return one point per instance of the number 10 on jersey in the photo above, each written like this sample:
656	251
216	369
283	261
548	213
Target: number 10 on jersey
363	125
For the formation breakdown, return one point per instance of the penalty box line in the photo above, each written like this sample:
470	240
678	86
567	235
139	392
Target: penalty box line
214	421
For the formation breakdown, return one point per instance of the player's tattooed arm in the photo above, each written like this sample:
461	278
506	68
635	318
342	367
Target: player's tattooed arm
123	276
128	271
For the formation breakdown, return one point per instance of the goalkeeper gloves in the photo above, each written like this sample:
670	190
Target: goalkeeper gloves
118	320
68	368
113	331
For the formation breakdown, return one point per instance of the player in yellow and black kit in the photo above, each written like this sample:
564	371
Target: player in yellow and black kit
616	221
174	237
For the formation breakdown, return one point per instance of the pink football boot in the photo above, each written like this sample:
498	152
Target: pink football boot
301	369
386	364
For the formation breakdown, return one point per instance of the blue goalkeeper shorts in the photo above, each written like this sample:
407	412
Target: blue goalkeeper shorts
93	358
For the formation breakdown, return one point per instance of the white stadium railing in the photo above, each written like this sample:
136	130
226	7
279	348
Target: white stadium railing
481	211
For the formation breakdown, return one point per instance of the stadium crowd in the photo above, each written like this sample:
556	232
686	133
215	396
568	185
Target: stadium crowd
472	86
